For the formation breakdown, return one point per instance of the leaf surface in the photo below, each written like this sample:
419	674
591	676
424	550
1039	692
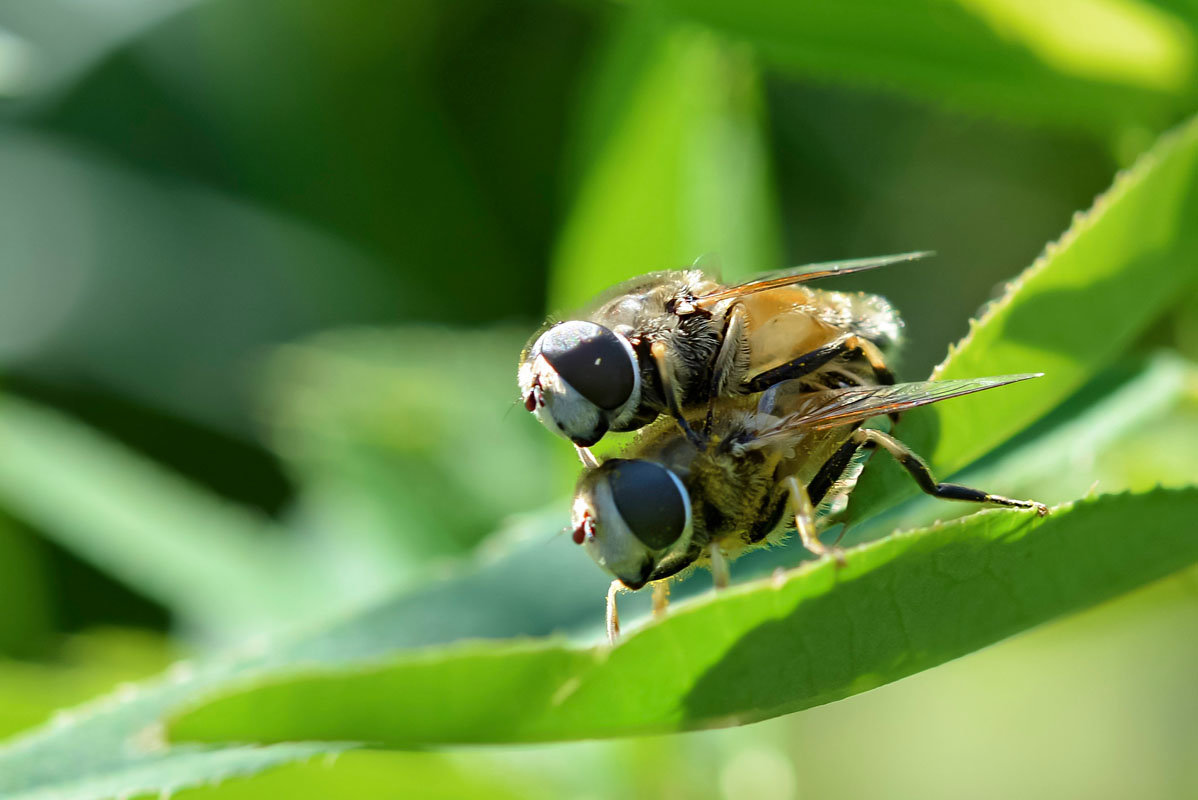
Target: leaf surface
770	647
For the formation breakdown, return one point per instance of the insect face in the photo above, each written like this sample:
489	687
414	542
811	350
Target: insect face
631	516
577	378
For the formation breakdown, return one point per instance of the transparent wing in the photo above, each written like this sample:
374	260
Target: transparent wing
808	272
710	263
821	410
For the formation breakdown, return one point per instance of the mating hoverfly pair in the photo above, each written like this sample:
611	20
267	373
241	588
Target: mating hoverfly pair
761	389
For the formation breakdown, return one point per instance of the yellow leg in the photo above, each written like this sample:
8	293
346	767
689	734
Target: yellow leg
613	614
719	566
587	457
673	391
661	597
804	515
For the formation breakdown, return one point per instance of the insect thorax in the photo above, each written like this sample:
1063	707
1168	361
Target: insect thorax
651	314
729	492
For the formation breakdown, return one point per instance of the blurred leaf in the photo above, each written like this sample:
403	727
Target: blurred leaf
85	665
1084	300
332	114
1097	64
25	624
383	426
819	634
109	748
365	774
61	39
162	290
677	165
219	567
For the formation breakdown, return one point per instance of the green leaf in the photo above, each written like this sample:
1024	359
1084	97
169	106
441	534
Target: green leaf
53	42
221	568
365	774
677	165
771	647
95	304
1079	63
25	593
1116	269
85	665
378	440
110	747
1084	445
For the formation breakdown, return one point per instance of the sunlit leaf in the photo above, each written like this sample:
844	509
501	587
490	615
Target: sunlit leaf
365	774
111	746
771	647
83	666
1061	457
1098	64
1118	267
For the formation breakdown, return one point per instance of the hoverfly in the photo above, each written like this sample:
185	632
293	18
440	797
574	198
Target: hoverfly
676	340
671	504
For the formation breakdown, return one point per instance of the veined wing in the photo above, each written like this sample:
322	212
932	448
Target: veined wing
807	272
822	410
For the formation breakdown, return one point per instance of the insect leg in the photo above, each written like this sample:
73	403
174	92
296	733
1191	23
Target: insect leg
877	362
588	458
661	597
804	513
923	476
848	345
613	615
831	471
730	361
874	357
796	367
719	566
670	389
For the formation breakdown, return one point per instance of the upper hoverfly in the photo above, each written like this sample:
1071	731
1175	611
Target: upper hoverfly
671	503
677	340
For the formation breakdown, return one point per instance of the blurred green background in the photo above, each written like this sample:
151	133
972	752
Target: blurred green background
266	268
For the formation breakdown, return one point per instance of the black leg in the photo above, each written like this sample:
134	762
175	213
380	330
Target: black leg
831	471
852	346
928	483
795	368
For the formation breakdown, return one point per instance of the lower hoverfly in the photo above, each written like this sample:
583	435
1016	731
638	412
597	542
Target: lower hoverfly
678	340
671	504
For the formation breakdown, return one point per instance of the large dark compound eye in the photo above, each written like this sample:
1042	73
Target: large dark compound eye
591	359
650	500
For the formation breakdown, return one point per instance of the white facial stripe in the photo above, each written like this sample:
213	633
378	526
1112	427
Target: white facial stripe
613	547
564	411
626	411
683	542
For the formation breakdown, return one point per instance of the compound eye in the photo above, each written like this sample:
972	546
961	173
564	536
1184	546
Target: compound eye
592	360
650	500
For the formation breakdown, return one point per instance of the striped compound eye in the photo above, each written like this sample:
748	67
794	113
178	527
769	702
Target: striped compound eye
651	500
592	360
